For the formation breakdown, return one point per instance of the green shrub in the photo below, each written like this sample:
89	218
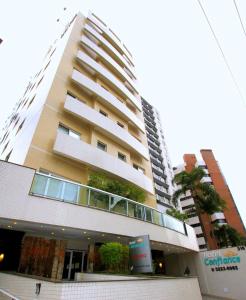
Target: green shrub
114	186
114	256
177	214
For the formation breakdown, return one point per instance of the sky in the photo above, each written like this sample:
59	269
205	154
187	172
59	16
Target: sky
180	68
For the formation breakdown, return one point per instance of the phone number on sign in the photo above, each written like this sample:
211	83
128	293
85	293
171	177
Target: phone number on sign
228	268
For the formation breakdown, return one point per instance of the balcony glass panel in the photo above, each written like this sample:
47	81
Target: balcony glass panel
173	224
58	188
54	188
83	196
71	192
118	205
148	214
157	218
99	200
39	184
135	210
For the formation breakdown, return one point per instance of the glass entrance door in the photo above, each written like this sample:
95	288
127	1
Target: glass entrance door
74	262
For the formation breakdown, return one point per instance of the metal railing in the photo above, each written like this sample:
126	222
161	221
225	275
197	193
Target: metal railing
53	187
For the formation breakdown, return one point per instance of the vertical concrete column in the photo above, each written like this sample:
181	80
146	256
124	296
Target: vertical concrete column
91	257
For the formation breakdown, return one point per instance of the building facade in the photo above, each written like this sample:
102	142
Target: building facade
80	114
203	223
160	161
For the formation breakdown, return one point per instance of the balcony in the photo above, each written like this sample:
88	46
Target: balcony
67	191
110	36
80	151
193	220
110	49
206	179
109	78
105	125
107	98
40	199
218	216
110	61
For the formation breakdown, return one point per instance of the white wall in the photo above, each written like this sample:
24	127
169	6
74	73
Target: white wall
226	284
158	289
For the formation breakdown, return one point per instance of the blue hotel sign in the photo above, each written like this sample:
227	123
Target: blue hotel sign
140	255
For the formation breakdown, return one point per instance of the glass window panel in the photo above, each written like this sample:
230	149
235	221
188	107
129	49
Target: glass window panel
70	192
135	210
74	134
174	224
63	129
54	188
99	200
118	205
83	195
148	215
39	184
157	218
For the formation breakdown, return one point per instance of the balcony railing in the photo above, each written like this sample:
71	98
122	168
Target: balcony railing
52	187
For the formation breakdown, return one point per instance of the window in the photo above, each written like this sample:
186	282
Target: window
101	146
199	235
158	177
40	81
160	188
5	147
73	96
162	199
141	170
121	125
31	101
19	128
69	131
8	156
103	113
121	156
46	66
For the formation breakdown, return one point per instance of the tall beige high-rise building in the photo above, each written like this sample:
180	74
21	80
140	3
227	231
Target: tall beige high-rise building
80	114
84	97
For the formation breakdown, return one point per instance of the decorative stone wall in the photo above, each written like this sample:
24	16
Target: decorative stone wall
42	257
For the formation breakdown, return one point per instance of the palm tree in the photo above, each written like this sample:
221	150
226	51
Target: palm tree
206	199
227	236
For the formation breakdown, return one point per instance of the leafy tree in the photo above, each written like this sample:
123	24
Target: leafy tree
206	199
177	214
227	236
115	186
114	256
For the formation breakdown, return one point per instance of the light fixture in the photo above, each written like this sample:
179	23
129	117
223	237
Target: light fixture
88	238
9	226
1	257
15	223
52	233
160	264
63	229
85	232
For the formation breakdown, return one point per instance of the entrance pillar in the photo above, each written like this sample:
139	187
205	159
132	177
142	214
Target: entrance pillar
91	257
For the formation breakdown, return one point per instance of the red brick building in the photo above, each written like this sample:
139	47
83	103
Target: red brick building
203	223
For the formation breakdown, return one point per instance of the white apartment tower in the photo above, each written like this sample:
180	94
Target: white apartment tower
160	161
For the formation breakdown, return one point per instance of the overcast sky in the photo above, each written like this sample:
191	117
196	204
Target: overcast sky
179	67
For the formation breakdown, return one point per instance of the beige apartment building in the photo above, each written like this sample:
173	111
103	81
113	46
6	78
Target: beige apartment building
88	100
81	113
